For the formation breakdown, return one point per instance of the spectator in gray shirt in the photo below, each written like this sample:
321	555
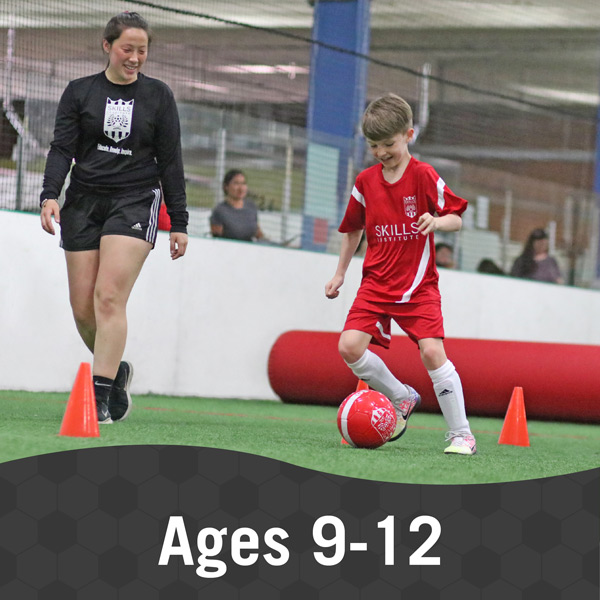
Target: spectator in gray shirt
236	218
535	262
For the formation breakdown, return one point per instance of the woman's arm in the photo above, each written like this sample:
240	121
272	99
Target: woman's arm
63	146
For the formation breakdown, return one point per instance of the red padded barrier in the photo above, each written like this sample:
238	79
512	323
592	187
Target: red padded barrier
559	381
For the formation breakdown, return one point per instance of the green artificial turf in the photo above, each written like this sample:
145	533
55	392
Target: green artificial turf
306	436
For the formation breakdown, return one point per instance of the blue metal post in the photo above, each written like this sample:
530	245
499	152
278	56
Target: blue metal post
336	101
597	183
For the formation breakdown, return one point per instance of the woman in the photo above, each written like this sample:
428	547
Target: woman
236	218
122	130
535	262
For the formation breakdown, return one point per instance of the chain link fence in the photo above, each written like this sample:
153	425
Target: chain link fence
240	74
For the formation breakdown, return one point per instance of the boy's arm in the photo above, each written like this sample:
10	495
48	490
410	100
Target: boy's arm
428	223
350	243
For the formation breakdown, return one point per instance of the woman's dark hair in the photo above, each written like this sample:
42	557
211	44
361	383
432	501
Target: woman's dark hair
528	264
229	176
115	27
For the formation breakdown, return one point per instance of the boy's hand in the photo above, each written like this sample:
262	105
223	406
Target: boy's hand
332	288
427	223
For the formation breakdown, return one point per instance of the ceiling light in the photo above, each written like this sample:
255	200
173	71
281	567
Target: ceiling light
291	70
560	95
208	87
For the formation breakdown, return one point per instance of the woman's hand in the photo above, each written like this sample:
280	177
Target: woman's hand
179	242
50	208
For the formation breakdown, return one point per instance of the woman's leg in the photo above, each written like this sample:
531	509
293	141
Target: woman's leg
120	262
82	270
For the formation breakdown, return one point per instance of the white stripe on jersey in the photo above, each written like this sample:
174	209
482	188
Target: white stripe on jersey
358	196
153	221
419	276
441	184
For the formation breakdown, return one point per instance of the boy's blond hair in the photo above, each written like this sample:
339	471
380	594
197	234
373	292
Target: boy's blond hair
386	117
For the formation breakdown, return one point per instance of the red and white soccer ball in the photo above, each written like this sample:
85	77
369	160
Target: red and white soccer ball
366	419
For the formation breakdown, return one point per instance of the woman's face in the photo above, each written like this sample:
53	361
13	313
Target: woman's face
237	188
126	55
541	246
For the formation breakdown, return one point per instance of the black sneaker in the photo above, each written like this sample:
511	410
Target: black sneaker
119	401
103	414
101	393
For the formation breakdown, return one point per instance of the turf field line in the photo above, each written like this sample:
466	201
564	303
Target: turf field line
301	420
63	402
37	400
226	414
531	434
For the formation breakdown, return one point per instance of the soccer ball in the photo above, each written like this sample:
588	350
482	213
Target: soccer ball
366	419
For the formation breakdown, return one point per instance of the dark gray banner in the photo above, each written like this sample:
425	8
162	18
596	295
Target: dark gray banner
183	522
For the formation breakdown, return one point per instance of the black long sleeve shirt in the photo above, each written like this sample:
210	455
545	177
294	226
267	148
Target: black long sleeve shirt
122	138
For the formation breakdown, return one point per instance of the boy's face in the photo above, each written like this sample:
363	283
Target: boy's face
392	151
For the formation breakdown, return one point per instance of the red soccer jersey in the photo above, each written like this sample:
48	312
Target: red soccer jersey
399	265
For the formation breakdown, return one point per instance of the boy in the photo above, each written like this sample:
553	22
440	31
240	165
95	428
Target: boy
400	202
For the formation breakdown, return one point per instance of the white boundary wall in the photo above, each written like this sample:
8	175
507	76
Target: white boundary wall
204	325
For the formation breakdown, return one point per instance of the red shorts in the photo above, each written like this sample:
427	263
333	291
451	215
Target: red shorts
418	321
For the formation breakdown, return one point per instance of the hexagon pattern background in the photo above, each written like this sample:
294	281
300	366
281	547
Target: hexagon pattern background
90	524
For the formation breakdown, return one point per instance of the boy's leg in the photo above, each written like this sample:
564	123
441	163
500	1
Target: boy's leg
366	365
449	392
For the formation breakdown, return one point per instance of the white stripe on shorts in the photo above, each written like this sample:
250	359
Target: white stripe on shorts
153	221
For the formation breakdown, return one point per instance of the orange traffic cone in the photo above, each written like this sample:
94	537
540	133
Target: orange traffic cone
80	418
514	430
362	385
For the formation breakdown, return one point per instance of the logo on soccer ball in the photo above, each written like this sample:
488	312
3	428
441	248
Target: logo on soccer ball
384	421
410	206
117	119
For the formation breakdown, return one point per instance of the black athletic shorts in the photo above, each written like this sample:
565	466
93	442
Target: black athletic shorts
85	218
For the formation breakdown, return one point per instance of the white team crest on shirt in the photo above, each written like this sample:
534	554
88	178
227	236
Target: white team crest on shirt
410	206
117	119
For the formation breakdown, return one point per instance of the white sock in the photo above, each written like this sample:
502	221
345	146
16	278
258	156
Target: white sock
373	371
449	392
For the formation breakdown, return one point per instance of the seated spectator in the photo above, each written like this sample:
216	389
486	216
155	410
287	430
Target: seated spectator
444	255
487	265
236	218
535	262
